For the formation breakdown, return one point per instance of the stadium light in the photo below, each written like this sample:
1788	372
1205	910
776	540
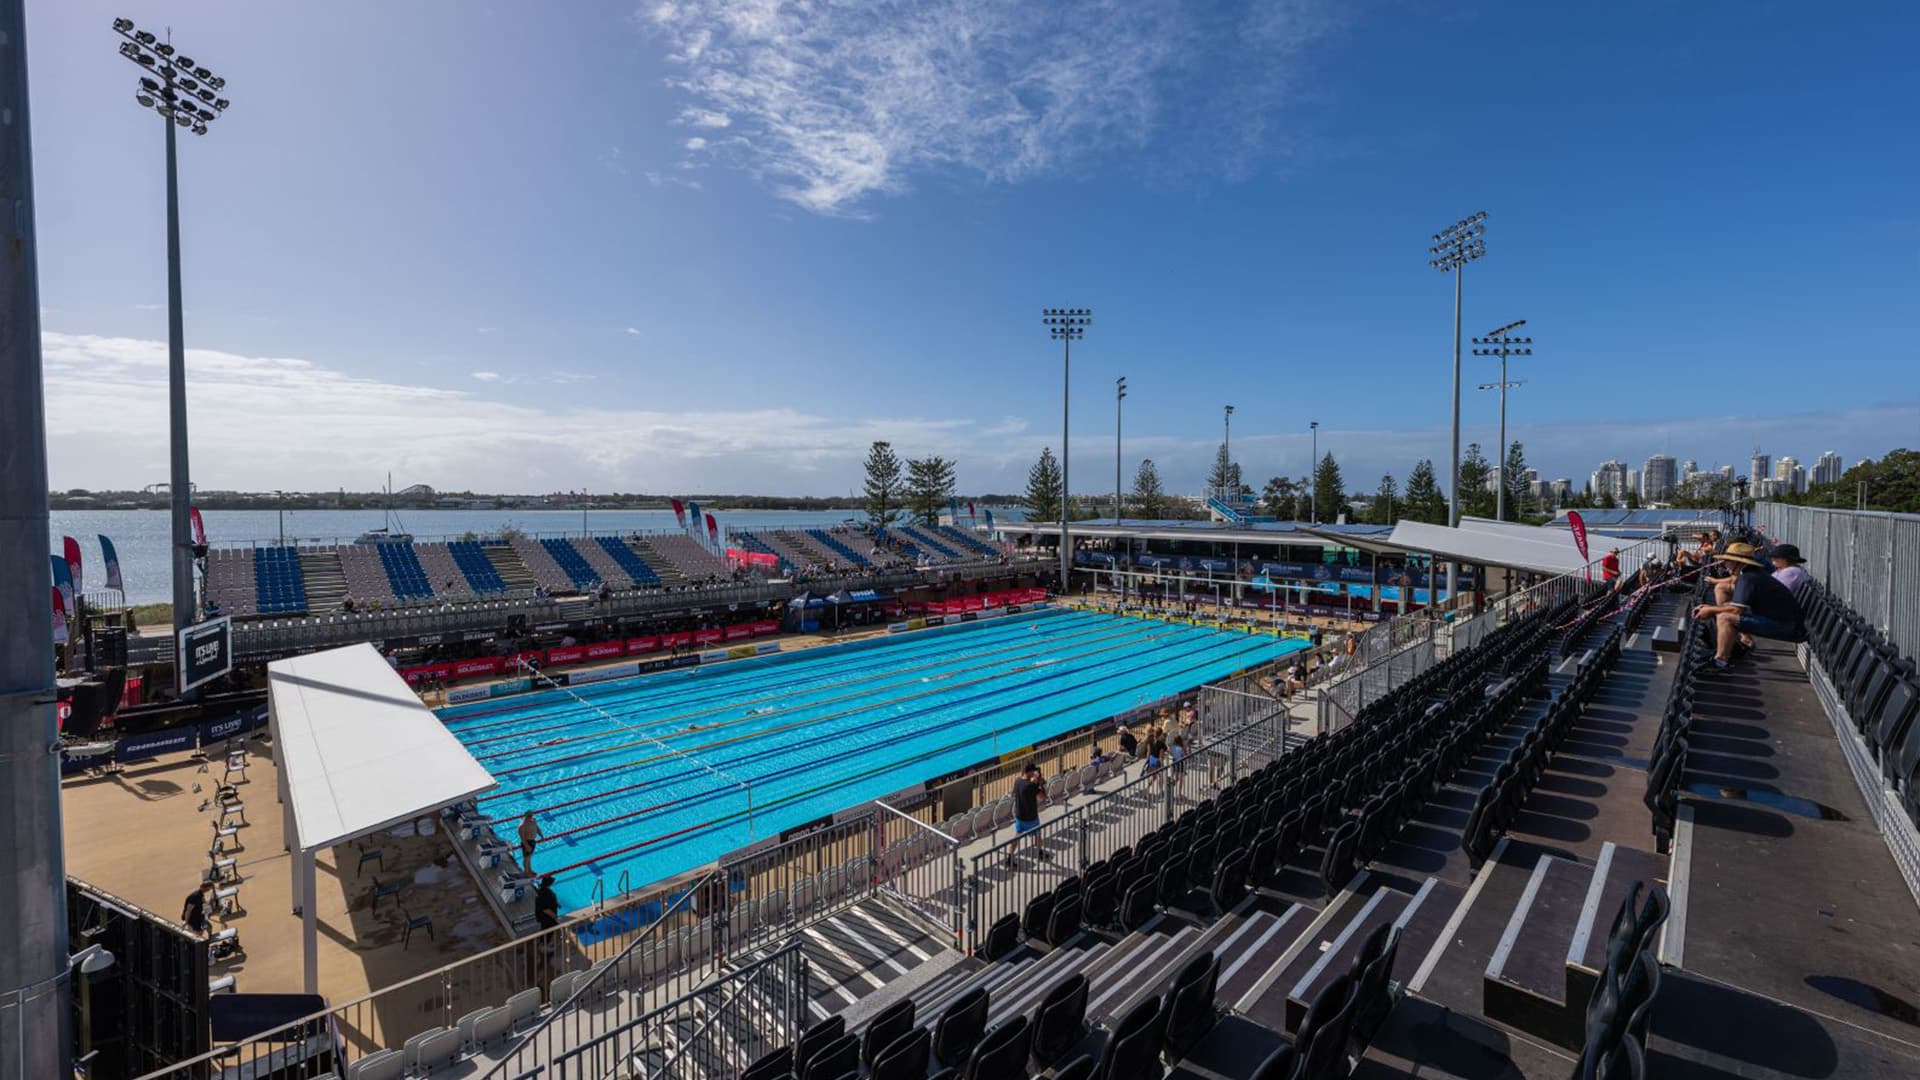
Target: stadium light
171	92
1066	326
1502	343
1313	515
1453	248
1119	395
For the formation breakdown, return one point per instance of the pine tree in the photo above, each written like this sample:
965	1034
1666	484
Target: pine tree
929	487
1424	499
1149	498
1043	488
1383	511
1329	490
883	484
1224	479
1476	488
1513	474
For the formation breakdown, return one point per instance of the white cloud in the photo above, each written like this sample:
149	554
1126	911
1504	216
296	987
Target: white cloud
836	103
668	180
487	376
633	330
147	307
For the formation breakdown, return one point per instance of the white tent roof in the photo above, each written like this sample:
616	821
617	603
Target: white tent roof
1492	543
357	750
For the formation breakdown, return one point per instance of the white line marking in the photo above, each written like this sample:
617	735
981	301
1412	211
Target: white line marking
1459	916
1673	939
1497	966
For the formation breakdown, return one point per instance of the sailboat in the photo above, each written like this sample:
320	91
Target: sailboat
385	534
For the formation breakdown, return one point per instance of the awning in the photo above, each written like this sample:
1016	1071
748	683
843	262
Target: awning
1517	547
357	753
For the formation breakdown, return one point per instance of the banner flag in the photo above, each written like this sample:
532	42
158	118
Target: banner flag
989	519
63	581
199	526
59	618
970	512
72	549
953	509
693	512
112	560
1579	527
713	530
680	513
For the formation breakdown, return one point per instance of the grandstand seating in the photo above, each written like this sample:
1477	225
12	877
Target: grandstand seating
930	542
444	576
367	581
962	539
581	573
688	556
404	573
232	582
481	576
628	560
842	544
278	585
761	544
545	568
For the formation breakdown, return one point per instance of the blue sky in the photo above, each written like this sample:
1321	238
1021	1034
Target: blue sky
706	246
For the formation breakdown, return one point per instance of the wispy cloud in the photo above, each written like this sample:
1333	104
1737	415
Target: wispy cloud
610	161
148	307
669	180
487	376
831	104
484	329
633	330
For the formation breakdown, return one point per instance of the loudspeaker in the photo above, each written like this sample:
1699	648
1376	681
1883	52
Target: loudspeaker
109	647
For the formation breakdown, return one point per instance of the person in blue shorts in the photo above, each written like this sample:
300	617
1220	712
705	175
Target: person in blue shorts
1754	605
1028	793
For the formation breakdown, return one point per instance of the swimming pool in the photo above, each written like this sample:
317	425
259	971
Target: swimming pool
654	775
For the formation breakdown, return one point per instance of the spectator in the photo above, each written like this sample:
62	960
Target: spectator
1028	793
1610	566
1751	605
1129	744
1788	570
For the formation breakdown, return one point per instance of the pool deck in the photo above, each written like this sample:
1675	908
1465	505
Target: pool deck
142	834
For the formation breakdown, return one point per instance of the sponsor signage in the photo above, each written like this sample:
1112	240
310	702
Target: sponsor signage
154	743
227	727
600	650
203	653
712	656
638	645
617	671
813	826
711	636
766	648
469	693
569	654
484	665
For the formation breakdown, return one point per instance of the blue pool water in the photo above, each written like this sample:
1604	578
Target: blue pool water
654	775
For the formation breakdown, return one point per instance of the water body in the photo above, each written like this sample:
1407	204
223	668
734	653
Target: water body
141	537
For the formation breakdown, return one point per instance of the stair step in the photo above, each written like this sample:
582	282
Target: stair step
1524	985
1138	966
1616	870
1336	957
1252	947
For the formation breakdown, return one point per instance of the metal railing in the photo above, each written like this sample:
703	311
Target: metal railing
919	865
1004	876
717	1030
1868	559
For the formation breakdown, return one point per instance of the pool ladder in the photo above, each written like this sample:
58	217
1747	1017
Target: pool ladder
625	885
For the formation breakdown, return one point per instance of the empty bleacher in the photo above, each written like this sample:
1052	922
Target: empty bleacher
688	556
627	560
232	582
278	585
929	541
670	575
367	581
405	576
470	560
845	545
543	567
966	541
793	556
443	573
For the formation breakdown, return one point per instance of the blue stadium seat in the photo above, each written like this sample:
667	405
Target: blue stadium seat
629	560
278	581
572	563
480	572
404	572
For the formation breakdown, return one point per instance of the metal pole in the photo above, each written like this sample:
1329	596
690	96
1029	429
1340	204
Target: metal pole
183	603
1313	516
1453	484
33	964
1119	396
1500	489
1066	498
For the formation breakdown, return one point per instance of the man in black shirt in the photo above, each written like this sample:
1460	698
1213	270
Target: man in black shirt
194	911
1754	606
546	912
1028	793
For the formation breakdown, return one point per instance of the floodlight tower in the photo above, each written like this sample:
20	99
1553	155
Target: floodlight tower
1066	326
1313	516
1453	248
1502	343
184	95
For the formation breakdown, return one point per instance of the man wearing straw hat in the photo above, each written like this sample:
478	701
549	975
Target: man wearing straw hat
1753	605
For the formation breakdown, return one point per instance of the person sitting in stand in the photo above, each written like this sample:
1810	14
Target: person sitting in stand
1751	604
1789	569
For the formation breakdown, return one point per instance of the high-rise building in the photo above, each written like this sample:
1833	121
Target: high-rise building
1657	478
1493	479
1783	470
1633	483
1687	469
1760	467
1798	481
1828	469
1562	489
1610	479
1726	473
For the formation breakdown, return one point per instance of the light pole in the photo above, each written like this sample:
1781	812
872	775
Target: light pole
1119	395
1313	515
34	1005
1502	343
1453	248
185	95
1066	326
1227	487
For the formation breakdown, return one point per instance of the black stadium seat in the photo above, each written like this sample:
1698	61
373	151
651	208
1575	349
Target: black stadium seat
906	1058
1337	864
1063	922
1189	1010
1002	937
1033	921
1372	972
815	1037
1279	1065
1102	900
833	1060
1080	1068
1323	1037
1060	1020
885	1029
772	1064
1136	907
960	1027
1133	1050
1002	1052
